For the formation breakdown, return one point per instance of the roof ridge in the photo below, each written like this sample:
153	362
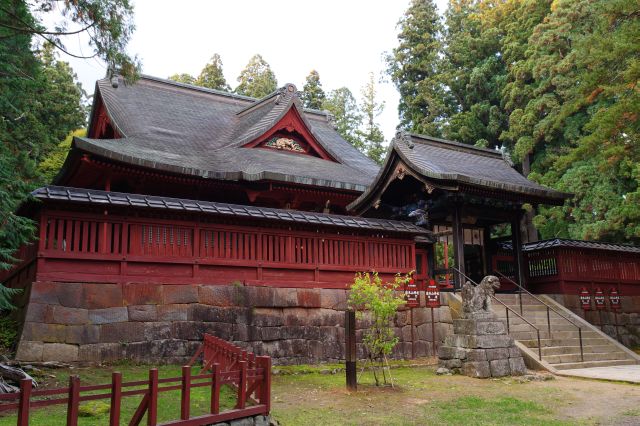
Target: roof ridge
195	88
426	139
281	91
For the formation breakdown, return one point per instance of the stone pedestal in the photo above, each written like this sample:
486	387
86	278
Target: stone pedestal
480	347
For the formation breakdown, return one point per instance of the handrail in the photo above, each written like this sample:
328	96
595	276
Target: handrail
507	309
549	307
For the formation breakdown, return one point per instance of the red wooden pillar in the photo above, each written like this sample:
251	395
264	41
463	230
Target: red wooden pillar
23	404
74	401
215	389
185	395
242	385
265	392
152	413
116	397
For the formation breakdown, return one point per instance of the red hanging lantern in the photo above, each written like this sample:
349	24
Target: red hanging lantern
614	299
585	299
599	299
411	294
433	295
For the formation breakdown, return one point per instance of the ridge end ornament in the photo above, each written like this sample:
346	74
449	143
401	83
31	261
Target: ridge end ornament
405	137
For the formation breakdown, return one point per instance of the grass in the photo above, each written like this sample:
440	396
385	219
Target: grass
316	395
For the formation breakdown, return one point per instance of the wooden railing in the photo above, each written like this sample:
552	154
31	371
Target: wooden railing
181	251
251	378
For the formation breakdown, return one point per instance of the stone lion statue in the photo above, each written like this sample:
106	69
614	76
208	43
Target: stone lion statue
477	299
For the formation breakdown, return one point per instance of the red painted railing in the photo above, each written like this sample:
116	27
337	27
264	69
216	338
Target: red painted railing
98	248
251	377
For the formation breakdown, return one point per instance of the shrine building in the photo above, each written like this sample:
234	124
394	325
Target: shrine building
188	210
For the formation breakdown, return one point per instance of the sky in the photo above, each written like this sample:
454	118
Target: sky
344	40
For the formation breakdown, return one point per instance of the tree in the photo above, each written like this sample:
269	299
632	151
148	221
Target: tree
51	165
414	66
183	78
371	133
369	295
211	75
342	105
256	79
107	24
312	94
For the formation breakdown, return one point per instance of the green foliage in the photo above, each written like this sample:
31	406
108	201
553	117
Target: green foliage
312	94
371	134
256	79
342	105
211	75
50	166
381	302
414	69
8	330
93	409
183	78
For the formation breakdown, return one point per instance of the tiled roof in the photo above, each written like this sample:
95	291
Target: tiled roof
90	196
456	163
196	131
561	242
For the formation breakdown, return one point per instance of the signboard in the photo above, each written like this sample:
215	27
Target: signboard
433	295
412	294
585	299
614	299
599	298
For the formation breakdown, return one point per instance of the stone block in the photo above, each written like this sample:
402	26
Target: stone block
451	363
450	352
44	292
60	352
333	299
186	330
259	297
29	351
328	334
90	353
108	315
423	348
218	329
173	312
424	332
402	318
101	296
247	421
267	317
240	332
70	295
330	317
309	298
478	327
476	355
112	351
262	420
220	295
498	353
500	367
271	333
517	367
82	334
151	331
420	316
121	332
479	369
405	333
316	349
50	333
284	297
142	294
185	293
443	330
514	352
65	315
142	312
39	312
490	341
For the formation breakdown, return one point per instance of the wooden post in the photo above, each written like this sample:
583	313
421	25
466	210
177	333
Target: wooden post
350	349
152	413
242	385
265	392
116	397
74	401
215	389
433	333
516	241
413	337
458	246
23	404
185	395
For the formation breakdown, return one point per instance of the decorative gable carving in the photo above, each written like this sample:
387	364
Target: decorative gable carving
284	143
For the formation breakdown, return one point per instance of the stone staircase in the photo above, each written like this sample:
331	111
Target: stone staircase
560	348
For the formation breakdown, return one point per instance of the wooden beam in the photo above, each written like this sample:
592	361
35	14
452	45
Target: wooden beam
458	244
516	240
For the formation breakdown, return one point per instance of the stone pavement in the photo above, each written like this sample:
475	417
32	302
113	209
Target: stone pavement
625	373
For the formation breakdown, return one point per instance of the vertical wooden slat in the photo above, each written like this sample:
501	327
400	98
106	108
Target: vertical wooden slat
215	389
74	401
185	395
76	236
242	385
59	233
152	413
93	236
265	393
23	403
116	398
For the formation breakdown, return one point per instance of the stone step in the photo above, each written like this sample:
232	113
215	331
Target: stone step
558	335
559	350
533	343
523	326
588	357
589	364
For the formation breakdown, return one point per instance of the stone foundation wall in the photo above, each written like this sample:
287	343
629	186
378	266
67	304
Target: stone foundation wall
89	323
623	326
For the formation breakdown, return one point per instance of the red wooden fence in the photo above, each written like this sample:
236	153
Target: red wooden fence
94	248
248	374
